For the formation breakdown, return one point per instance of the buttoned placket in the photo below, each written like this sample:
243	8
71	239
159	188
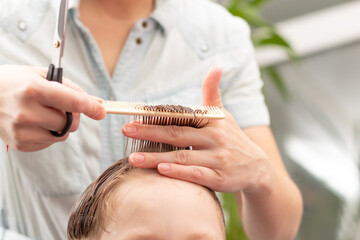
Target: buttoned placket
128	64
132	57
118	87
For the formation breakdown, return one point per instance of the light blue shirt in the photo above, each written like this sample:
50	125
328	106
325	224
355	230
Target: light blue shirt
164	60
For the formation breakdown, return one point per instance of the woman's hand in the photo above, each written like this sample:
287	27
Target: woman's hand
223	157
31	106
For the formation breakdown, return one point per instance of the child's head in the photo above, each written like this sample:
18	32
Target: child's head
136	204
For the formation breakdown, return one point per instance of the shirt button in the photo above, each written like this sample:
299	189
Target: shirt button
144	24
138	41
22	25
204	48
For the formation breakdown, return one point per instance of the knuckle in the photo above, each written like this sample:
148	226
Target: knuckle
21	118
221	156
174	132
153	159
32	91
197	174
19	141
17	136
16	139
181	157
220	137
19	147
78	103
220	180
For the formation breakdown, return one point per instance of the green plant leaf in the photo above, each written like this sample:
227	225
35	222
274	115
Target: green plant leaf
234	229
251	15
268	36
258	3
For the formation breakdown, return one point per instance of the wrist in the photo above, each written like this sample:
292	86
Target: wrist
264	183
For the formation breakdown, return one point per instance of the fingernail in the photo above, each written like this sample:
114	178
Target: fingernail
98	99
164	168
137	159
130	129
100	114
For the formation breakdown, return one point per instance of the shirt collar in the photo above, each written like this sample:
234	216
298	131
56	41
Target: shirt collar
162	13
73	4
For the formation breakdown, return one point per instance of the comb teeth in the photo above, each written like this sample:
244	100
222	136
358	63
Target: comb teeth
156	110
155	114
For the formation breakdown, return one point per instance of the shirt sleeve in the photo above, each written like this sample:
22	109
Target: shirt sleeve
242	84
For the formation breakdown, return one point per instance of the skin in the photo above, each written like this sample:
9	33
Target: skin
225	157
27	97
150	206
246	163
107	33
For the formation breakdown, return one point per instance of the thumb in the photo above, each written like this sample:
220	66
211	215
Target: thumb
211	88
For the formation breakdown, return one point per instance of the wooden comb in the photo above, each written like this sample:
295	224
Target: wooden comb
164	114
165	111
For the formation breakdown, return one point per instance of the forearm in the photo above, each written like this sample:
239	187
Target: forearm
272	212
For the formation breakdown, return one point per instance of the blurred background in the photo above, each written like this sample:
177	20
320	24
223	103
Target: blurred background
309	52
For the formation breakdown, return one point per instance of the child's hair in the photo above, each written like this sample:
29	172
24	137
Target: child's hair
90	212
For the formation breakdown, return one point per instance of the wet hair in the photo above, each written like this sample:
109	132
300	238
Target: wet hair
88	215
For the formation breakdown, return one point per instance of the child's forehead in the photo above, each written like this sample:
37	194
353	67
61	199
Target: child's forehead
157	203
149	186
141	179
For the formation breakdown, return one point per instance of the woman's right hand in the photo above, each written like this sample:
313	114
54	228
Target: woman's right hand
31	106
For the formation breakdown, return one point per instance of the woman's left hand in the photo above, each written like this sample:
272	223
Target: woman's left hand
223	157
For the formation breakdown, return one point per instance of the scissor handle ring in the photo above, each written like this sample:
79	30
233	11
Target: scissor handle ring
69	120
55	74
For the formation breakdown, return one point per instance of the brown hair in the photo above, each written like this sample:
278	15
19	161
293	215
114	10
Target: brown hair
89	212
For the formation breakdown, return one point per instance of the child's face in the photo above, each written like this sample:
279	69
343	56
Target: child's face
153	207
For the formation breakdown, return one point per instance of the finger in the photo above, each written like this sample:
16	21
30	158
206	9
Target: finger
76	116
34	135
72	85
75	123
195	174
100	100
45	117
67	99
173	135
30	147
43	72
202	158
210	88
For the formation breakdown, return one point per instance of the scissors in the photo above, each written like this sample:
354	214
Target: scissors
55	72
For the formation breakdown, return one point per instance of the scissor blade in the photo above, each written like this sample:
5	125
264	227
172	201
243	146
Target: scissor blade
60	33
